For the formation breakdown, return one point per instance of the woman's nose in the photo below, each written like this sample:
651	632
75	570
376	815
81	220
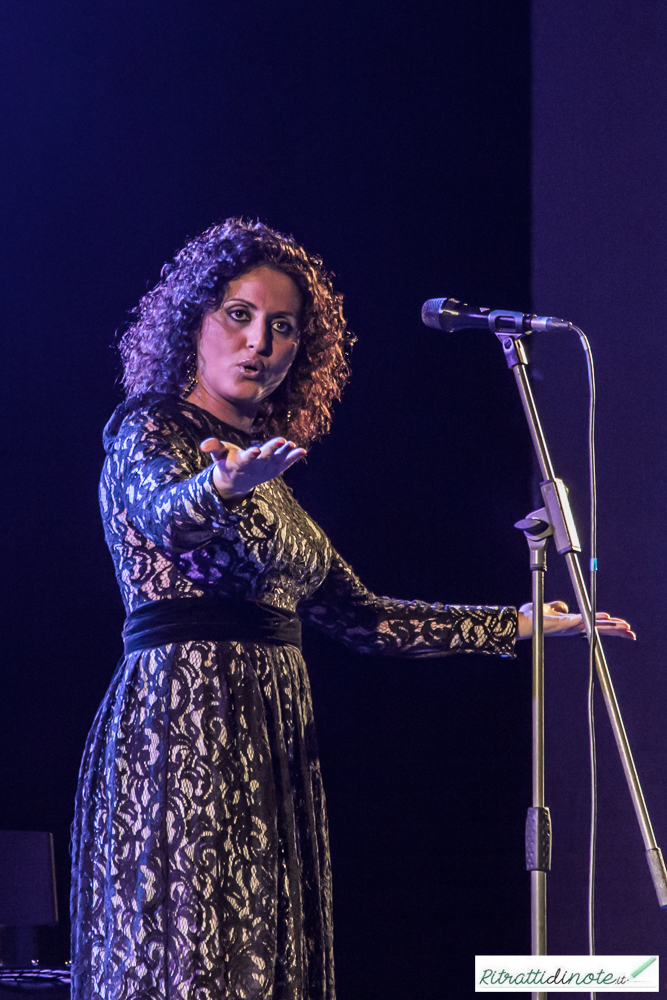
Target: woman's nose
258	336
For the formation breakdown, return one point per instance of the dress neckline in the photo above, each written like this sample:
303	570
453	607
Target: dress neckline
243	435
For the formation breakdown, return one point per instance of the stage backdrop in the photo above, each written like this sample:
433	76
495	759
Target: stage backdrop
599	259
395	140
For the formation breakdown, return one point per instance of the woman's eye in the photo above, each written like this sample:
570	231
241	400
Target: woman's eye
283	327
238	314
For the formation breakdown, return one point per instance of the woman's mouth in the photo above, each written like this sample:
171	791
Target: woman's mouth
251	369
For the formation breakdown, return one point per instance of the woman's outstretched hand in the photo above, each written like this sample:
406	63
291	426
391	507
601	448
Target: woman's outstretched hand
557	621
238	471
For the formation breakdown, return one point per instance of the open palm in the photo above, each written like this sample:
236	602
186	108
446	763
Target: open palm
237	470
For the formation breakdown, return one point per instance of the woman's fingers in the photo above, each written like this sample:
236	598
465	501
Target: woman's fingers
271	447
277	447
285	451
557	621
606	625
218	450
290	453
209	445
561	624
248	456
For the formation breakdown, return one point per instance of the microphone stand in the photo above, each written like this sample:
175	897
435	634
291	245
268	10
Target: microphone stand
538	529
556	518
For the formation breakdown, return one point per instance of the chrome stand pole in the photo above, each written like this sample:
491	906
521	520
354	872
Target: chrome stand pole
537	530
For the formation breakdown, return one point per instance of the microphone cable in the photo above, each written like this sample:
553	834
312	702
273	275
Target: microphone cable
593	640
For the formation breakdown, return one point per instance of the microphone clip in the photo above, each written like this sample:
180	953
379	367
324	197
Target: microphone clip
509	327
508	323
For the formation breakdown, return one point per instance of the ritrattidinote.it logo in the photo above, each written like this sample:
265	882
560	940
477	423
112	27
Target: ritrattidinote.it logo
567	973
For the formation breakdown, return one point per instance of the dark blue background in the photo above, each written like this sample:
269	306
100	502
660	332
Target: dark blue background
599	257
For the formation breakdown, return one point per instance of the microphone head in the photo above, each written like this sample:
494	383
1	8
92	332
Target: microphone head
452	315
431	313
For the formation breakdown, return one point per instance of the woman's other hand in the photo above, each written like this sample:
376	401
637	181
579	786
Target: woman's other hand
238	471
557	621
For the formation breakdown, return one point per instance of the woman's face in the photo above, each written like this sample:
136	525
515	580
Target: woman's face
246	347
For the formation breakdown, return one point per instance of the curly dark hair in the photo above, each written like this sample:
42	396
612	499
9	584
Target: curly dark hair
158	348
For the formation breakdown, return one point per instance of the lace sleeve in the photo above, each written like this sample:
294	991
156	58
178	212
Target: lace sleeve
166	483
345	610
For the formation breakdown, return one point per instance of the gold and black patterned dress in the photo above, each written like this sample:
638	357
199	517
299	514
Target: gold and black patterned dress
200	852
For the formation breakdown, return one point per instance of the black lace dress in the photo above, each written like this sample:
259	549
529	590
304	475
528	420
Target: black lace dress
200	853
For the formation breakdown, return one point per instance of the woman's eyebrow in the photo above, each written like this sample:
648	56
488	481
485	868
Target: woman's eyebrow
245	302
251	305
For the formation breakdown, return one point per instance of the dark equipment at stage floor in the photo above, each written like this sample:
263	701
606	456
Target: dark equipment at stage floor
27	903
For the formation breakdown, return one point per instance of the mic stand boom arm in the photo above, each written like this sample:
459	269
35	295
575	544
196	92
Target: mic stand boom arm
556	502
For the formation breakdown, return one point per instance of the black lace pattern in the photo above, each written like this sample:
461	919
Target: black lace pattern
200	852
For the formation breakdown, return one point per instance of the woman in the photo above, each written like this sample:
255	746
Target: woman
200	852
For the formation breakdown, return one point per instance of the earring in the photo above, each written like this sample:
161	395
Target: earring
288	393
190	375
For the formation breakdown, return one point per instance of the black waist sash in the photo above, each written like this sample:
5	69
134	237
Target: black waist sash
209	619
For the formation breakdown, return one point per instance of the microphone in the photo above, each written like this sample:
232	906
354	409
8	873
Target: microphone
451	315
